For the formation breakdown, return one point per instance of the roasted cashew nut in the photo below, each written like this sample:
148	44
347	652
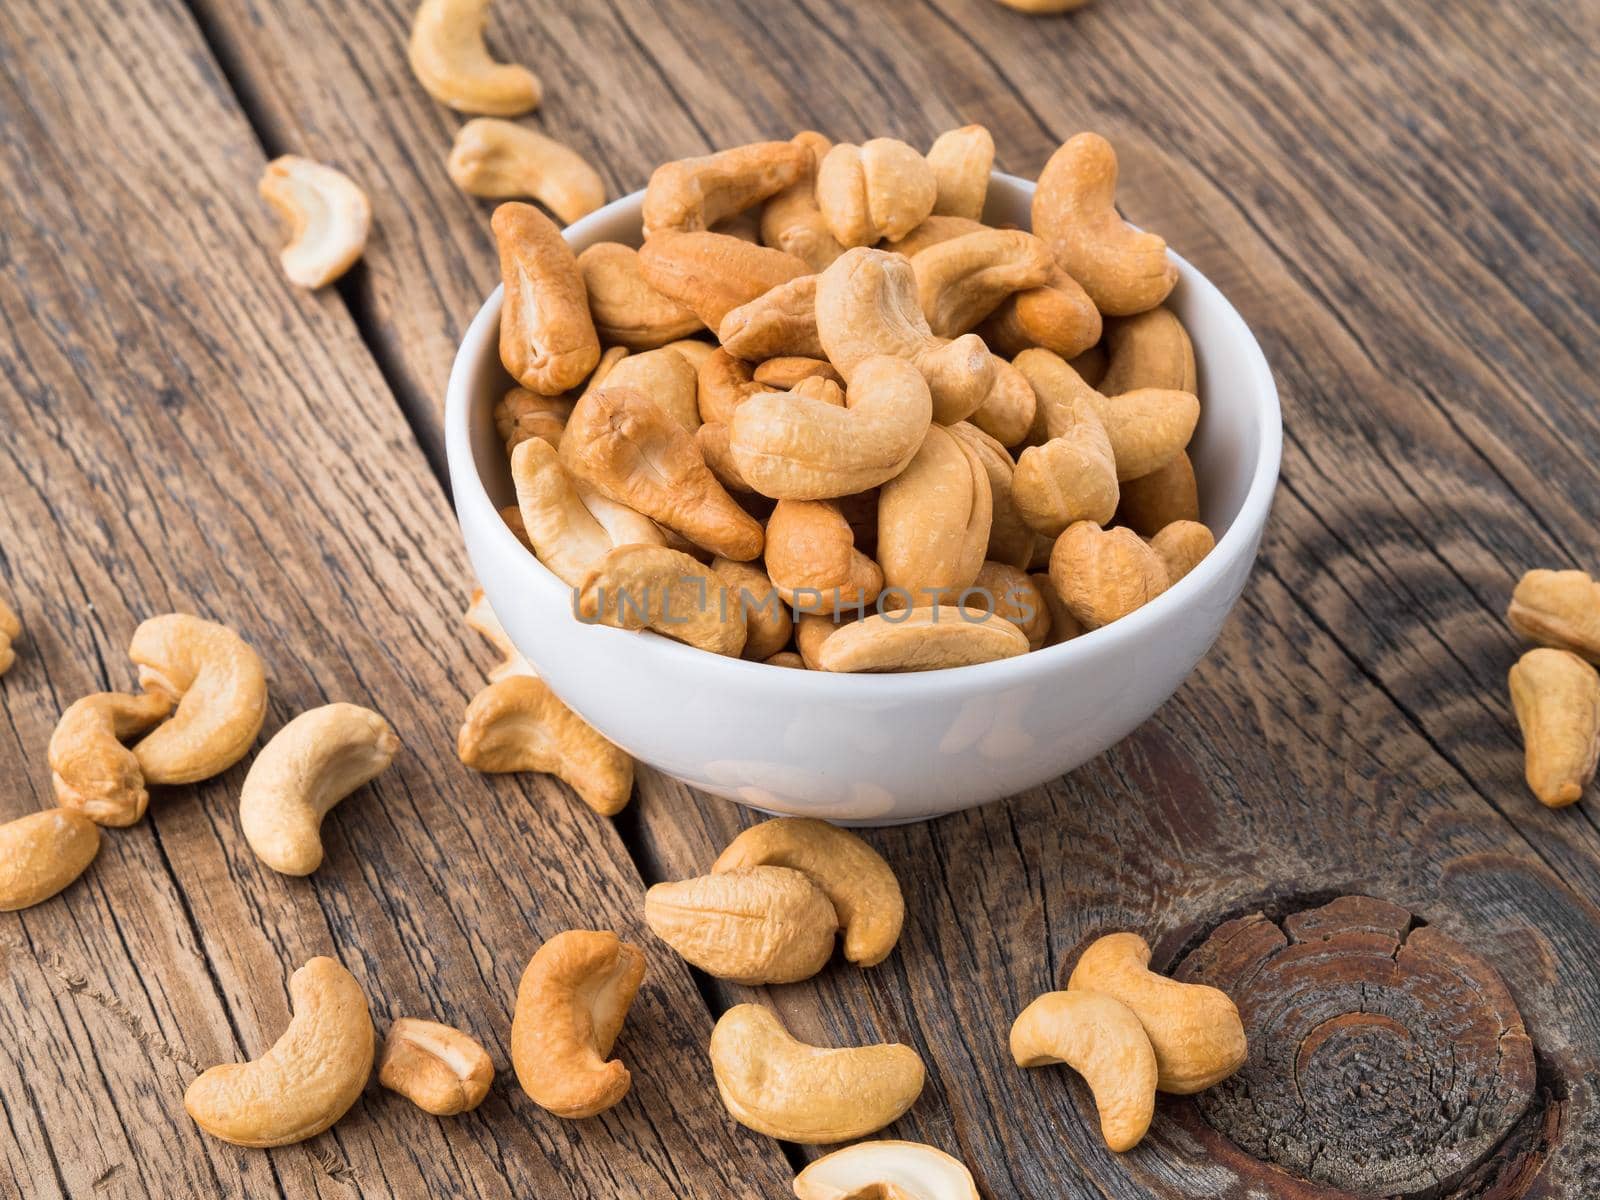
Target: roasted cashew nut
42	853
1559	609
91	770
547	338
10	631
1058	316
882	189
1181	546
786	1089
962	280
697	193
778	323
309	1078
667	377
627	311
1072	477
1101	1039
221	690
1152	502
1151	350
571	1004
813	560
886	1170
768	625
864	892
711	274
656	587
791	220
328	216
437	1067
933	522
563	517
501	160
1103	575
308	766
1011	539
921	639
757	926
961	160
449	58
1194	1029
521	414
1007	412
1556	696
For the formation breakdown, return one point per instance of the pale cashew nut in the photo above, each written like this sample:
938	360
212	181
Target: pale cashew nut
812	557
481	618
787	371
1101	1039
328	216
921	639
1151	350
1008	592
1556	696
882	189
309	1078
571	1004
437	1067
1152	502
311	764
776	323
1011	539
1039	8
1181	546
1058	316
547	339
1102	575
569	524
1072	477
863	890
667	377
1007	412
962	280
934	520
961	160
501	160
886	1170
518	724
626	310
1194	1029
221	690
1124	270
697	193
1559	609
42	853
867	306
791	220
91	770
786	1089
762	925
450	60
521	414
655	587
711	274
10	631
768	625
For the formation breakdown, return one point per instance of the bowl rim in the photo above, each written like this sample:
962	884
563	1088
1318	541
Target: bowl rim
471	500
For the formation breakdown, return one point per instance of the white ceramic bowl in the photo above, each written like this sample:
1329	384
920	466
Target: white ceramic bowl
877	749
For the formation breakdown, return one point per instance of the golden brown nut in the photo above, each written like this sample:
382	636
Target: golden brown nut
768	625
1072	477
756	926
933	522
780	322
1152	502
1104	574
812	631
789	370
1063	625
697	193
791	220
569	524
725	383
1557	700
711	273
1009	592
502	160
91	770
10	631
1091	364
328	216
449	58
813	560
787	658
626	310
921	639
1007	412
654	587
1151	350
547	339
961	160
521	414
1011	539
882	189
437	1067
931	232
42	853
1559	609
962	280
667	377
1058	316
1181	546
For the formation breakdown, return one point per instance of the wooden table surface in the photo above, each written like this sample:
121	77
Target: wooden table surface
1398	196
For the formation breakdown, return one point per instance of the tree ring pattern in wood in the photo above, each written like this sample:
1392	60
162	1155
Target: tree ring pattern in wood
1385	1058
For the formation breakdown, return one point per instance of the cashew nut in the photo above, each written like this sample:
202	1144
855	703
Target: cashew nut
1560	609
931	232
791	220
10	631
571	1004
655	587
768	625
311	764
962	280
961	160
776	323
449	58
1058	316
1152	502
711	274
693	350
92	771
480	617
812	557
328	217
1101	1039
1009	592
886	1170
934	520
437	1067
863	890
761	925
1194	1029
812	631
1007	412
1011	539
1063	626
626	310
882	189
1104	574
501	160
1072	477
1181	546
309	1078
1091	365
547	338
43	852
789	370
1556	696
921	639
726	382
786	1089
1124	270
667	377
1151	350
518	724
522	414
697	193
563	517
221	690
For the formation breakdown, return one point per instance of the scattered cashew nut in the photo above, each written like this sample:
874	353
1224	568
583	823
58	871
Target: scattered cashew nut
1559	609
1557	700
481	618
437	1067
10	631
328	216
757	925
42	853
449	58
886	1170
91	770
501	160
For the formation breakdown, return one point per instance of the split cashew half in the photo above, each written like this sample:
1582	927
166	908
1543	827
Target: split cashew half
221	690
756	926
786	1089
449	58
308	766
43	852
571	1004
437	1067
307	1080
328	216
502	160
863	890
92	771
10	631
886	1170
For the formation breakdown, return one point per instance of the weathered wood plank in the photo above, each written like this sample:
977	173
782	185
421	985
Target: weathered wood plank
182	430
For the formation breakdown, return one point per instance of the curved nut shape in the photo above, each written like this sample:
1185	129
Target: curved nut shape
921	639
790	370
776	323
697	193
328	216
91	770
934	520
1194	1029
1559	609
630	449
867	307
518	724
311	764
882	189
221	689
768	625
813	560
655	587
1072	477
1008	592
10	631
812	631
1152	502
309	1078
791	220
1151	350
863	890
793	446
1007	412
1057	316
449	58
931	232
1557	700
481	618
571	1004
1011	539
1101	1039
667	377
761	925
713	273
437	1067
1063	626
521	414
1104	574
501	160
715	448
961	160
563	517
786	1089
886	1170
962	280
43	852
1181	546
1124	270
726	382
626	310
547	339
